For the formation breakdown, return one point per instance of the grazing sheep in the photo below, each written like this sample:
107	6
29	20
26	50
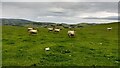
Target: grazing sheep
71	33
50	29
109	28
30	29
47	49
33	31
57	30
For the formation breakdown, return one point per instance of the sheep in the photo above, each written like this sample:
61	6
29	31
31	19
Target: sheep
33	31
109	28
30	29
50	29
71	33
47	49
57	30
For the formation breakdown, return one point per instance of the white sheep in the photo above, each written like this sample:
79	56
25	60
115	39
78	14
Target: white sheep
33	31
109	28
50	29
71	33
47	49
30	29
57	30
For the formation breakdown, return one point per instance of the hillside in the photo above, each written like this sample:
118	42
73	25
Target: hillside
92	46
15	21
22	22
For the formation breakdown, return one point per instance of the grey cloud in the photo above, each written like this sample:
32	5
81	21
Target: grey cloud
59	0
32	10
107	18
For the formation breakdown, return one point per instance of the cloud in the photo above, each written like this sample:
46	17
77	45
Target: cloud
60	0
70	12
56	10
98	14
108	18
0	10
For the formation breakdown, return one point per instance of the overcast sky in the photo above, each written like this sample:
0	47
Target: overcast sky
60	0
62	12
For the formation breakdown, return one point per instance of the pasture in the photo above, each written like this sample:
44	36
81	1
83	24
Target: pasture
92	45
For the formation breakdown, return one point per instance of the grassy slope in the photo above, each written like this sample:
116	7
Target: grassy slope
0	46
21	49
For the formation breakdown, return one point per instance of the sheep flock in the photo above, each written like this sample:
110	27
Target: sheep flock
70	33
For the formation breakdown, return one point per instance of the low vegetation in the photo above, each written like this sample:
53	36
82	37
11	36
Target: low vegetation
92	45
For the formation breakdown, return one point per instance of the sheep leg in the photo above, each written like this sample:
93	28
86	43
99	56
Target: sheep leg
109	29
50	30
73	35
69	35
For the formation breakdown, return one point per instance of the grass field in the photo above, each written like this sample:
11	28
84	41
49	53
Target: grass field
0	46
92	45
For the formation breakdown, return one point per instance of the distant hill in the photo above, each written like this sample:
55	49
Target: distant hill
22	22
15	21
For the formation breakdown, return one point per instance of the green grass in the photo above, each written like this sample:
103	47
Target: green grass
21	49
0	46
